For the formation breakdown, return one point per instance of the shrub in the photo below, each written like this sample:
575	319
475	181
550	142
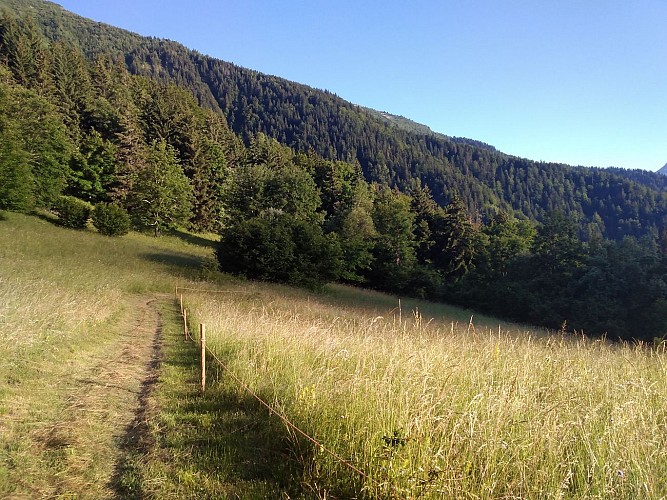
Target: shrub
111	219
73	212
277	247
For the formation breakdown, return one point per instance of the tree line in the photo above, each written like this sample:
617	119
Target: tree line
612	203
93	131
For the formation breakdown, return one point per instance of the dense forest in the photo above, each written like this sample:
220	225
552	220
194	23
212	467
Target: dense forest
391	150
305	188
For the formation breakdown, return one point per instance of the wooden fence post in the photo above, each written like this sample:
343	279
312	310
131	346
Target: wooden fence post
185	324
181	302
400	313
202	338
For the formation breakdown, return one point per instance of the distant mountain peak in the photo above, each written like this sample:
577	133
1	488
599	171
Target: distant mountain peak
663	170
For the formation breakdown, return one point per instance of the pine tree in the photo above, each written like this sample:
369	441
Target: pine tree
454	240
161	196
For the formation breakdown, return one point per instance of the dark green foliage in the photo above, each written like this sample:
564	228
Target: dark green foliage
607	288
92	169
72	212
390	150
26	51
161	195
621	290
35	148
394	249
454	240
16	179
269	180
290	192
279	247
111	219
504	239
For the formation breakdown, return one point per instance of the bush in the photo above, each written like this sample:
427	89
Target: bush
111	220
277	247
73	212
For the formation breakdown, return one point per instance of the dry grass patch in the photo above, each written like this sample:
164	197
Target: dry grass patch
71	349
430	407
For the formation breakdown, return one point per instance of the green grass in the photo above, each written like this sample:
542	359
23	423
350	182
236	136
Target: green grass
430	401
67	301
432	408
219	444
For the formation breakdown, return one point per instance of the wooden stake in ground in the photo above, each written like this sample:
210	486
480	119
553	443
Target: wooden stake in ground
185	324
202	338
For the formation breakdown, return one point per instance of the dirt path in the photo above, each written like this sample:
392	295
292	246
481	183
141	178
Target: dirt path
104	418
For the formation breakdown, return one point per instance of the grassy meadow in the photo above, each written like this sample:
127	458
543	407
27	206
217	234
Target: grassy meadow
425	400
429	406
67	303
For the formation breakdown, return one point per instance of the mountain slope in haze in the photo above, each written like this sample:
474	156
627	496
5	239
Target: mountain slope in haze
408	125
391	150
663	170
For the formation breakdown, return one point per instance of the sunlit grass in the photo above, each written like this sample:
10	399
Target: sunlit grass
66	300
430	401
437	407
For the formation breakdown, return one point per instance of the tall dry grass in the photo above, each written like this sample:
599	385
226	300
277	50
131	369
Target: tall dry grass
434	407
66	307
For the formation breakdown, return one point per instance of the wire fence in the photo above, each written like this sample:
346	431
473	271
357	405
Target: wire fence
205	350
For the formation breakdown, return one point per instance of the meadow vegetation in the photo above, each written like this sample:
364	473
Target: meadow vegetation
429	401
430	406
67	303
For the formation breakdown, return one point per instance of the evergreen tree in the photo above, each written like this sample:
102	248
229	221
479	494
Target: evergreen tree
38	132
208	181
455	240
25	52
394	250
72	88
427	212
131	154
161	196
16	180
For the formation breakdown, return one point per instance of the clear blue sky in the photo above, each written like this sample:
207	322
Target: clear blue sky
582	82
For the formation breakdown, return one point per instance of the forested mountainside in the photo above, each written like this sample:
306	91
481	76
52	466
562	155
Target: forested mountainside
611	202
80	130
663	170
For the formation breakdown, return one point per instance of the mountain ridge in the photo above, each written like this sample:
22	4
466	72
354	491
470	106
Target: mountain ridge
304	212
390	149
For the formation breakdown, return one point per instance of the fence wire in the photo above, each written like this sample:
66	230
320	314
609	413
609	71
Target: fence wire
271	408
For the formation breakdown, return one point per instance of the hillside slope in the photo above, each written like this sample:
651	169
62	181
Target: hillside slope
80	336
390	149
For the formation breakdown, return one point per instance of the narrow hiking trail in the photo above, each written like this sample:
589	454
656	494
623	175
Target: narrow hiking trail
101	395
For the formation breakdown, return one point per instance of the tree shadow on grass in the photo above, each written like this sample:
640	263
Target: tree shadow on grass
240	439
221	443
253	445
234	440
179	264
217	444
192	239
47	217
